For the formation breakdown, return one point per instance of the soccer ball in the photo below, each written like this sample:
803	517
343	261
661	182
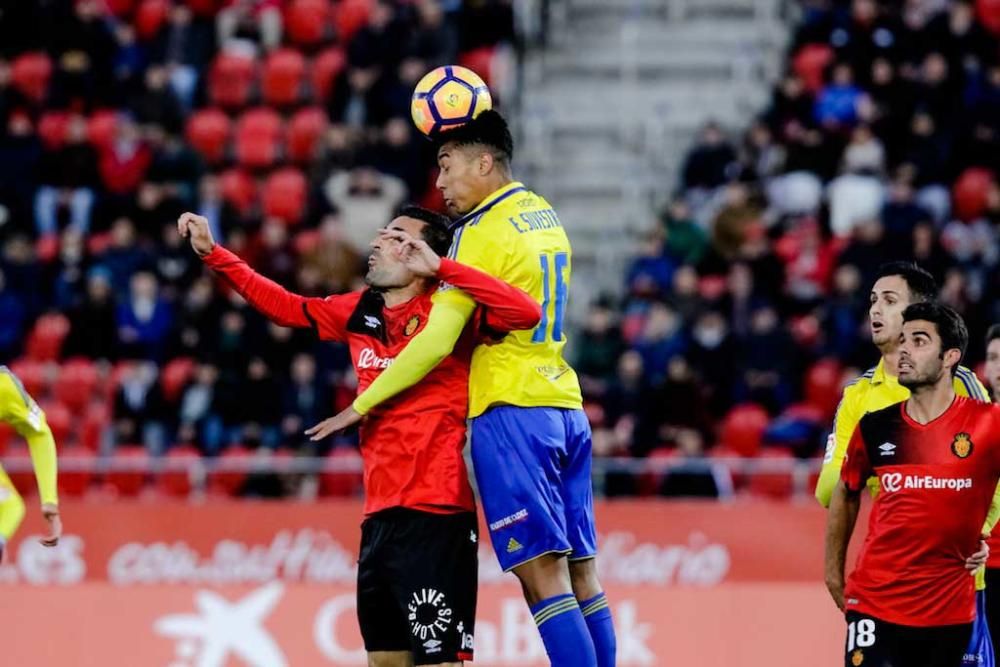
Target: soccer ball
448	97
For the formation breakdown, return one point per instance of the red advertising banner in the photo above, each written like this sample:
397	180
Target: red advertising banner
271	584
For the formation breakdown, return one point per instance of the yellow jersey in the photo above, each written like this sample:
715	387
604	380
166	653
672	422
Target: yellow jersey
516	236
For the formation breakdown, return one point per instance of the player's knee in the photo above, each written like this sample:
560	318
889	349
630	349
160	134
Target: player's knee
544	577
583	577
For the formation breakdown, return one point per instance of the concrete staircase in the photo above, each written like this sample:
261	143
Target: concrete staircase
611	104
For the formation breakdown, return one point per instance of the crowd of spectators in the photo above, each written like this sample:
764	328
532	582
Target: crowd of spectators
285	122
746	309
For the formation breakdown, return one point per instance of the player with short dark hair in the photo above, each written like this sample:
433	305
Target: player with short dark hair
531	442
418	566
910	601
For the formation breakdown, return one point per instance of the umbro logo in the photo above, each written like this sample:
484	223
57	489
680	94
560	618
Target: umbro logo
433	645
372	322
513	545
887	448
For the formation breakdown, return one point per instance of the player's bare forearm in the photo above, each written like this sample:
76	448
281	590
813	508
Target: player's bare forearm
840	521
427	349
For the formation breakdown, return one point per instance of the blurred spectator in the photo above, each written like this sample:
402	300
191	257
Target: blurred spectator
598	345
68	180
694	476
13	317
366	199
94	324
20	159
708	165
651	273
766	363
184	46
306	401
839	103
249	25
156	103
260	414
335	261
124	162
196	403
685	240
144	319
713	357
139	410
123	256
662	338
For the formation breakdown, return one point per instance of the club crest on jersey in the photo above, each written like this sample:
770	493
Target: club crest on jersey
961	446
857	658
411	325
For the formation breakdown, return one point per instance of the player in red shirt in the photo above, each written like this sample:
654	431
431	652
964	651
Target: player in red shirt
910	601
417	572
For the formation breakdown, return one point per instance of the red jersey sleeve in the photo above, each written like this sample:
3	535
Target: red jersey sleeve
507	307
857	469
327	316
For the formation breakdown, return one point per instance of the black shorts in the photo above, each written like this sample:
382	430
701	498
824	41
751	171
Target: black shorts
417	579
993	605
875	643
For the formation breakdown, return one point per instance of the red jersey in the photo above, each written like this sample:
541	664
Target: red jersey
411	445
937	481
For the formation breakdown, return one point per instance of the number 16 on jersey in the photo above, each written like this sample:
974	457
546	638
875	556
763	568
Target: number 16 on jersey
555	292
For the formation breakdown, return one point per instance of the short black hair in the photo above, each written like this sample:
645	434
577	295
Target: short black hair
922	285
992	334
487	129
950	326
436	231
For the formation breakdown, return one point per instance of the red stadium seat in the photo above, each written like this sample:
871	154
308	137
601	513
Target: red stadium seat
208	132
20	471
78	379
101	128
648	483
98	243
174	376
231	80
988	12
772	484
810	63
326	67
307	22
96	420
305	241
239	189
283	78
351	16
47	248
743	428
205	8
480	61
971	192
258	138
822	385
129	468
76	470
34	376
342	483
52	128
7	434
60	421
119	8
178	477
230	481
30	74
305	134
284	195
150	17
46	338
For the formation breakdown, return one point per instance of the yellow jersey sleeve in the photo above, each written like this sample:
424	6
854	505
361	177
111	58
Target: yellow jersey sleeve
19	410
849	413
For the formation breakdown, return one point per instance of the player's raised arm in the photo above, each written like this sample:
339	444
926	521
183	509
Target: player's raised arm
22	413
507	308
269	298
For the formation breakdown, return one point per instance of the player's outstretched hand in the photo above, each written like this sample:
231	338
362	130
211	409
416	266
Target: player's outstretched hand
339	422
978	559
195	227
414	253
51	514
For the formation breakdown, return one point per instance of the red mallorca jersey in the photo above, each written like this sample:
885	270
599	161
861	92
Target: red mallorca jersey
937	481
411	445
